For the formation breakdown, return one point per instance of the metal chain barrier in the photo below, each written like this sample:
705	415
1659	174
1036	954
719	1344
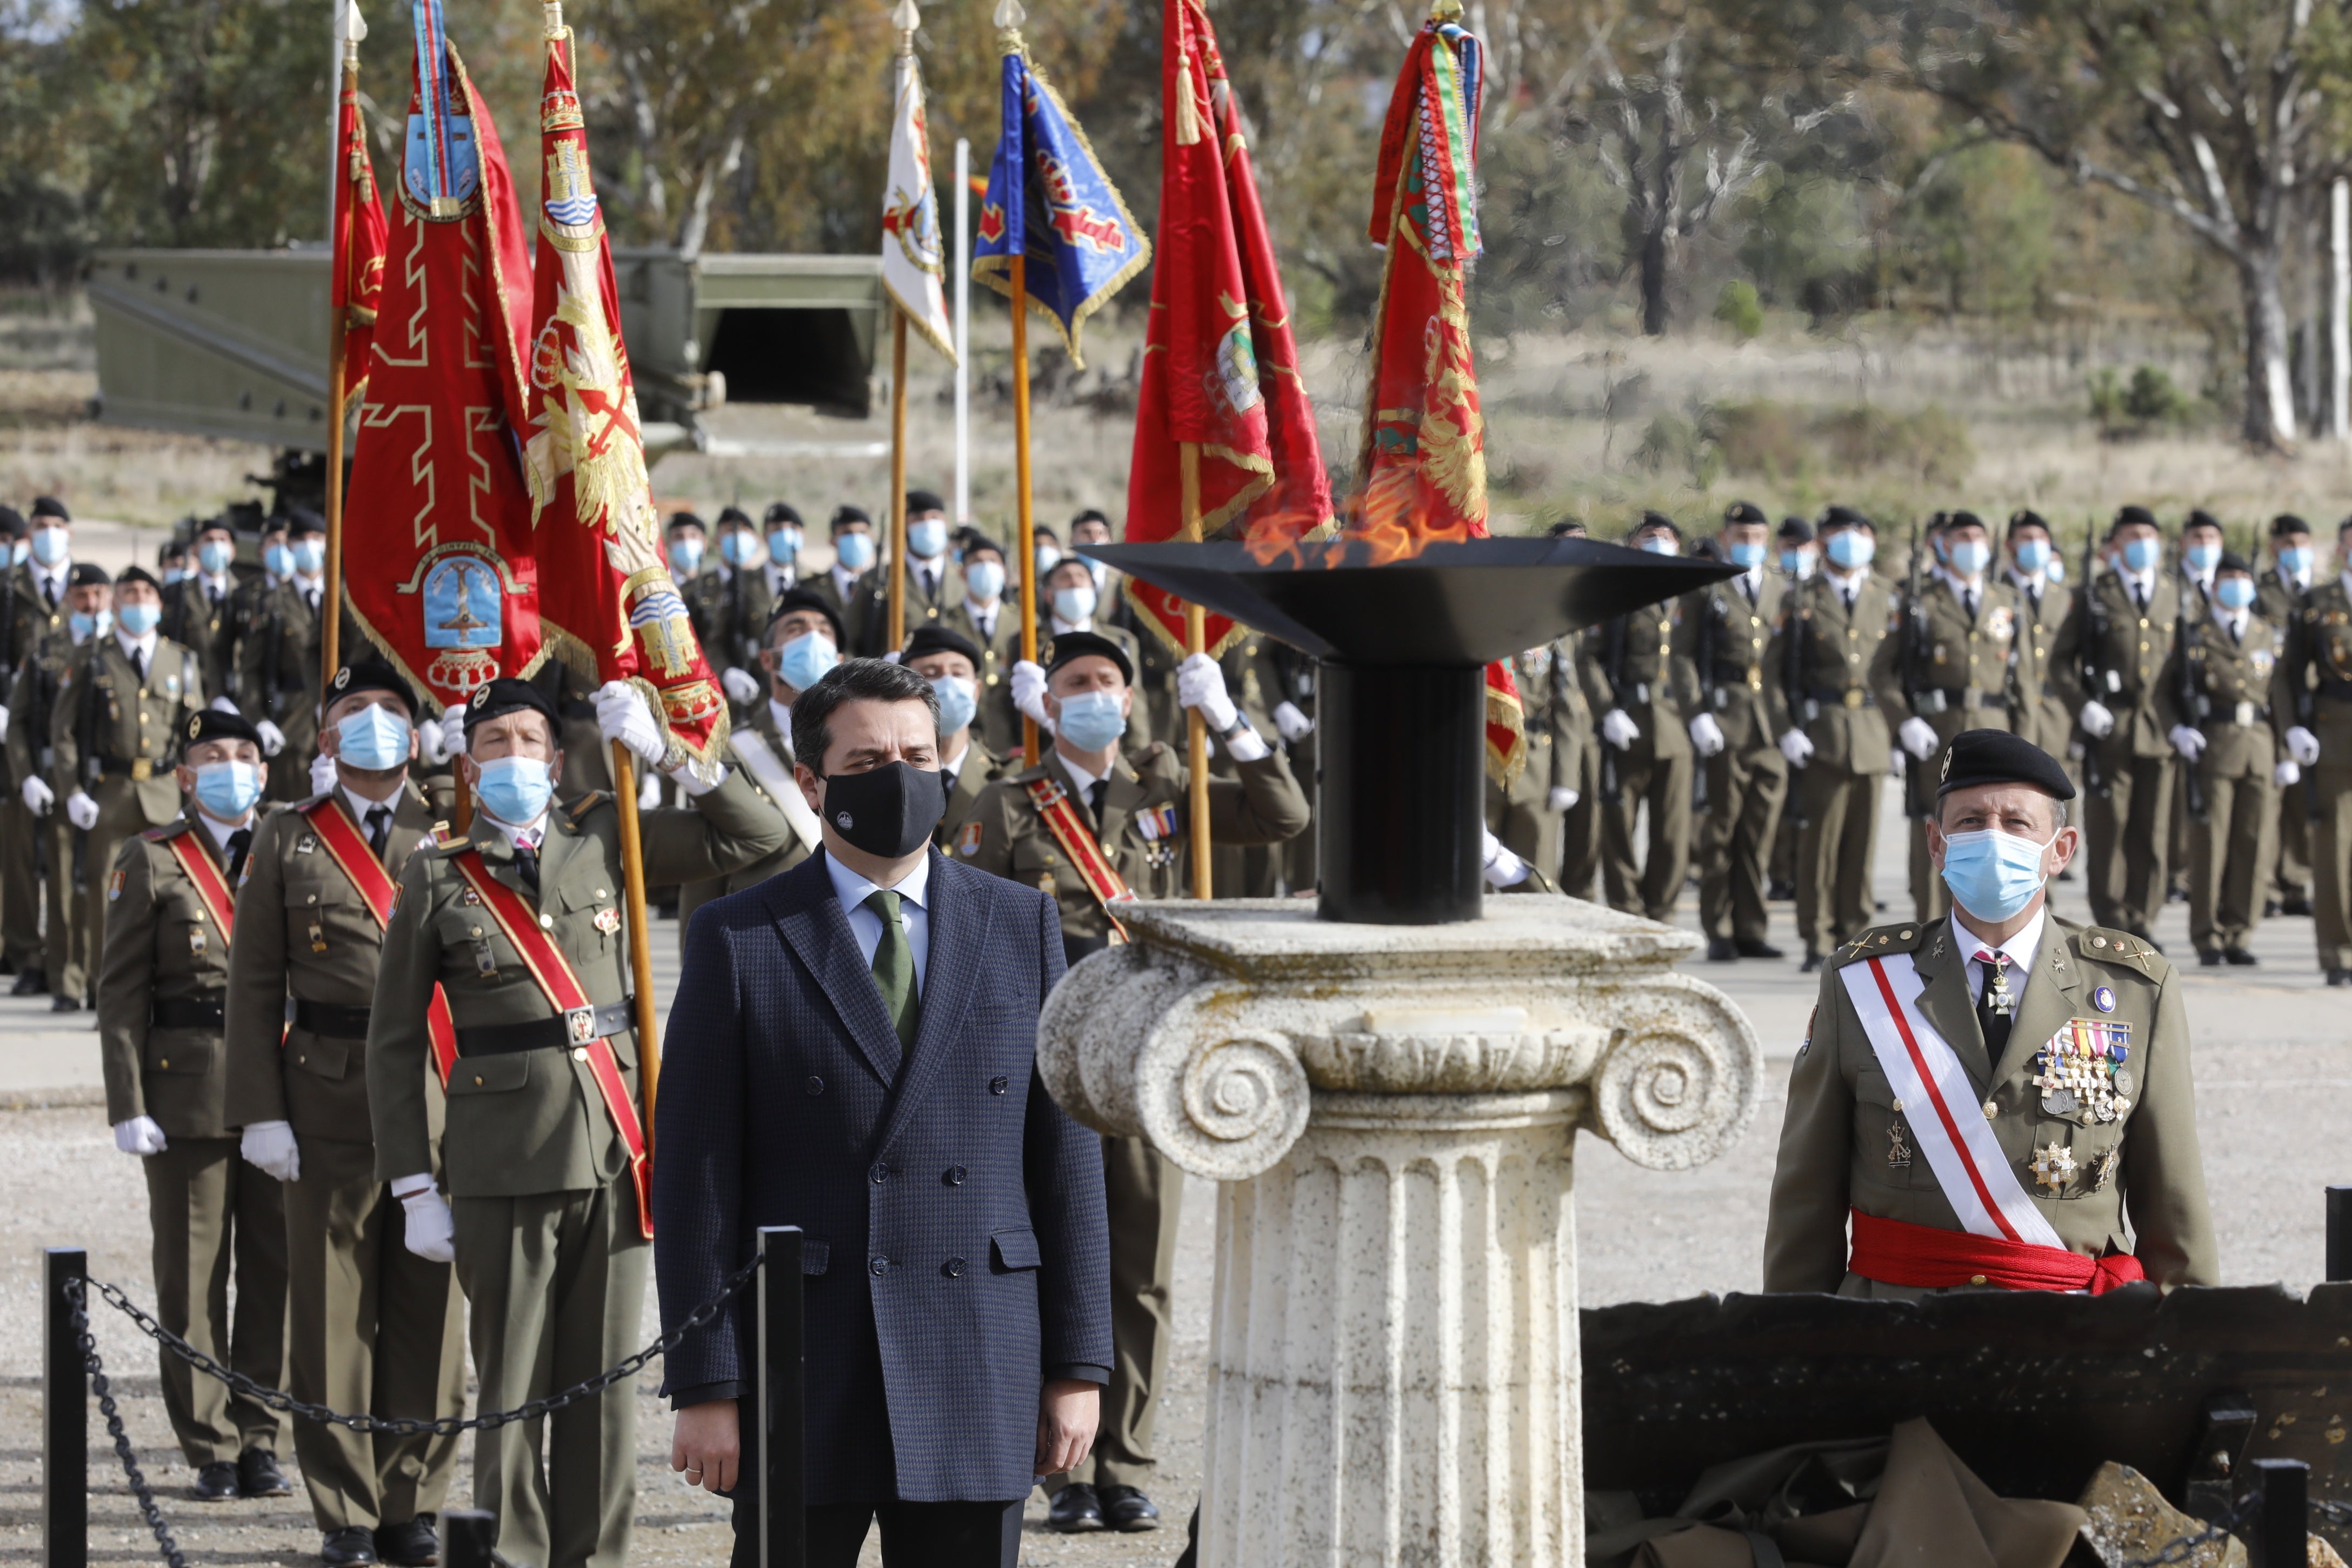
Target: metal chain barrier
114	1428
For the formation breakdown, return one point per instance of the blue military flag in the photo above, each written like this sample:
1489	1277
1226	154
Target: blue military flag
1048	199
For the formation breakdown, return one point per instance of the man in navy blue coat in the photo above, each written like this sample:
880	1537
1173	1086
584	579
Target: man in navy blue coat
852	1050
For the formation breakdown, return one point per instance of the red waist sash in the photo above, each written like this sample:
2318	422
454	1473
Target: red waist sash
1893	1252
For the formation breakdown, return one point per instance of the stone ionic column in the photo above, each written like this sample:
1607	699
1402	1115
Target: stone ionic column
1392	1112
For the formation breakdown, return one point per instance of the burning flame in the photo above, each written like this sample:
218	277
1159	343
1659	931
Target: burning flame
1379	527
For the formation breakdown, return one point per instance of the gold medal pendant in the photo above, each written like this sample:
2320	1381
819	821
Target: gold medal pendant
2053	1167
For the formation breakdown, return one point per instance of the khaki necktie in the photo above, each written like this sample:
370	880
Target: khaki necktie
893	968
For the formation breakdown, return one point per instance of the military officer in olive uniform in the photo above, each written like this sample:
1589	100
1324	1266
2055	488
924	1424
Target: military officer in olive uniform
170	899
1135	806
63	961
2027	1120
543	1217
931	588
277	660
1579	833
1951	674
1834	653
2235	739
2108	662
729	608
35	606
1240	871
123	708
2278	599
370	1325
199	610
2319	663
1071	602
1526	816
843	586
1642	696
2036	710
949	660
1725	639
988	618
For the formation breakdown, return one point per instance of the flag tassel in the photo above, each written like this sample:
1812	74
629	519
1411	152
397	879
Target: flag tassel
898	562
1027	520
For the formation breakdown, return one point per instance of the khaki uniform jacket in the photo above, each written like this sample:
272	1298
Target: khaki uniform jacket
2319	653
161	947
999	720
923	605
730	612
1547	679
981	768
2245	701
33	698
1841	659
1261	804
529	1121
850	608
2130	651
1655	688
192	620
135	726
763	727
25	619
2277	596
1963	661
304	932
1747	700
2036	710
1837	1143
277	671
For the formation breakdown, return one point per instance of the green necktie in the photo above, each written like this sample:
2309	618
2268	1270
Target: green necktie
893	968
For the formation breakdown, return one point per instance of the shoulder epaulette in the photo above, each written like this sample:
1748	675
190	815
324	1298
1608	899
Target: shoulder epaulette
314	802
447	839
579	810
1880	939
2105	944
167	832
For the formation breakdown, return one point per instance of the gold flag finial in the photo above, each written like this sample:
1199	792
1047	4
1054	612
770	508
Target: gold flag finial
354	29
906	19
551	19
1446	10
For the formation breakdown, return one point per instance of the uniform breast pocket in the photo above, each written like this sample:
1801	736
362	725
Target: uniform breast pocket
181	1058
1884	1151
322	1057
490	1074
315	908
592	920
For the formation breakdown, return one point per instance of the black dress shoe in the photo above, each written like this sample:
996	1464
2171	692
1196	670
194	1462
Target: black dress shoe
1127	1509
411	1545
1750	949
1721	950
29	983
2270	908
1074	1508
65	1003
258	1474
2209	957
352	1544
2298	905
1781	893
1813	962
2339	977
2240	958
217	1482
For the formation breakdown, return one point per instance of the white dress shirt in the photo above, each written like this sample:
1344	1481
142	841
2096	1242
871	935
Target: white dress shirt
1969	594
844	581
360	805
782	713
781	578
1061	626
2140	585
865	925
140	651
215	588
220	830
1848	583
309	588
51	582
2020	950
926	575
2233	622
983	616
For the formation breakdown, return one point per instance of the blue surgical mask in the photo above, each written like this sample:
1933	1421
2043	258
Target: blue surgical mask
1074	605
1046	556
784	545
1091	720
310	556
1746	554
515	789
214	556
172	574
2202	559
228	790
685	557
2296	560
959	700
372	737
1970	557
2057	569
928	539
855	551
984	580
735	547
2032	555
50	546
2143	554
1850	547
139	619
1662	544
1993	874
278	561
803	662
1797	563
2235	592
87	625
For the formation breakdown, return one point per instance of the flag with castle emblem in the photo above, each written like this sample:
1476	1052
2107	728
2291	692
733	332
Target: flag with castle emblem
1049	200
912	261
361	232
608	607
436	532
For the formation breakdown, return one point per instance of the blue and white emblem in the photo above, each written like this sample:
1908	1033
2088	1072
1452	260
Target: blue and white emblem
462	605
2103	999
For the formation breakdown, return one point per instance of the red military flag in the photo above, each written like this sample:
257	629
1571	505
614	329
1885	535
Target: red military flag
609	608
361	232
1424	449
1220	368
437	530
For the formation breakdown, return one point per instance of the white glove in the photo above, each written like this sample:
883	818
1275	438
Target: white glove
452	729
649	792
1919	738
1798	748
222	704
1503	868
81	810
1291	724
2287	772
38	796
1029	692
3	722
269	1147
1562	798
2302	746
1618	729
1706	735
621	716
273	739
140	1136
1199	683
893	656
428	1230
2186	741
324	775
740	685
2097	722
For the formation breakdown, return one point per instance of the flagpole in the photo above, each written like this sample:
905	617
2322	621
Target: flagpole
641	952
1196	637
1027	534
963	330
898	622
331	603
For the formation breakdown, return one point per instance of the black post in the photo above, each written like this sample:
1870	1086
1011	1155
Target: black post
2340	1233
64	1415
783	1401
2278	1538
1401	796
469	1538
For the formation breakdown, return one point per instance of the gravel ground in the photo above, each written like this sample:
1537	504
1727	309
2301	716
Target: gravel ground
2274	1087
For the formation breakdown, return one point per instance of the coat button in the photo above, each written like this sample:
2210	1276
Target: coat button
878	1267
999	1085
477	1081
881	1174
816	1085
955	1268
546	922
579	1053
955	1176
1976	1279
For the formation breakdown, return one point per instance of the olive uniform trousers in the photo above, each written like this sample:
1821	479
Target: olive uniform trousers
193	1186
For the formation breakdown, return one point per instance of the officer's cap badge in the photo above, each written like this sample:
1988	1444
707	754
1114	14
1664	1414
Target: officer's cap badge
342	677
196	723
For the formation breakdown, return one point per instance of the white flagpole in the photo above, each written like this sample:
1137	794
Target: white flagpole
963	330
334	113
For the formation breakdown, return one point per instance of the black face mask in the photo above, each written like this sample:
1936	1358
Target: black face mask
888	811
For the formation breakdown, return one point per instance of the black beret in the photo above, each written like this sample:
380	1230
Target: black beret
50	506
131	574
1072	645
1797	528
782	512
1845	518
1744	512
1091	515
1962	520
974	540
683	520
933	638
371	674
793	599
2132	517
13	523
845	515
2287	523
2232	561
1566	528
923	501
1043	531
1996	756
2026	518
734	514
214	724
87	574
1653	521
2201	518
302	520
497	698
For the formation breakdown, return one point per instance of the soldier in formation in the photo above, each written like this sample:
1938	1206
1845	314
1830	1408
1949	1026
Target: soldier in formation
1643	694
1726	638
2319	686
